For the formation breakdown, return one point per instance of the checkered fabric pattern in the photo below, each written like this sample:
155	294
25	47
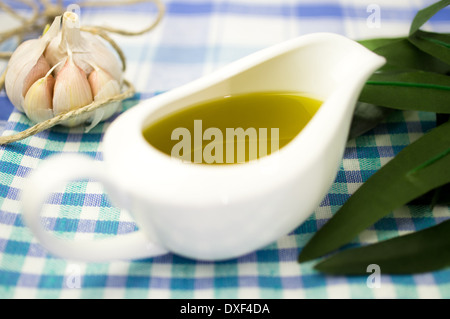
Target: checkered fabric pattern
195	38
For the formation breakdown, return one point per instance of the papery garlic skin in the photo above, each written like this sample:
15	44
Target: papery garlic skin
64	70
39	70
87	49
23	60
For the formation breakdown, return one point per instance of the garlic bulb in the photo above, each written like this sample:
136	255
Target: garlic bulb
63	70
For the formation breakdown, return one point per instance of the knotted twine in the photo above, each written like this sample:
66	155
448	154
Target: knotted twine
43	13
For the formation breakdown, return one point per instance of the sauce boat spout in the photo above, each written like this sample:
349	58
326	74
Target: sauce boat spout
342	77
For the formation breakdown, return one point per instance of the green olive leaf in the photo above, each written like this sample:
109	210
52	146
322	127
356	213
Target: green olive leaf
373	44
419	168
439	196
414	78
435	44
402	54
425	14
422	251
408	90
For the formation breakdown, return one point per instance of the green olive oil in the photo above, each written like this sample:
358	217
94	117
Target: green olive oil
232	129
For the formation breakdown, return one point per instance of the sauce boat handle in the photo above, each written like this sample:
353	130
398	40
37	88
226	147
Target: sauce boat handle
55	172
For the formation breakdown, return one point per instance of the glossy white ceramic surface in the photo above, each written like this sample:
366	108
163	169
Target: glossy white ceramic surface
216	212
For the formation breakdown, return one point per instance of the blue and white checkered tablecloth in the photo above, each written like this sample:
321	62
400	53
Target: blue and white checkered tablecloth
195	38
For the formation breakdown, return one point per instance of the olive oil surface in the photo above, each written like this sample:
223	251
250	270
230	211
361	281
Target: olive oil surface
232	129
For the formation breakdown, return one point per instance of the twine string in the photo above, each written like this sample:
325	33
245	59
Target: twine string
42	126
38	20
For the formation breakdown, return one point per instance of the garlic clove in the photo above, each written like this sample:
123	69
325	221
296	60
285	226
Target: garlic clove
39	70
23	60
72	88
38	100
72	91
103	86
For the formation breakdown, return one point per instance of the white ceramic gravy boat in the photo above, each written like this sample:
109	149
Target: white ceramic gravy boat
216	212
